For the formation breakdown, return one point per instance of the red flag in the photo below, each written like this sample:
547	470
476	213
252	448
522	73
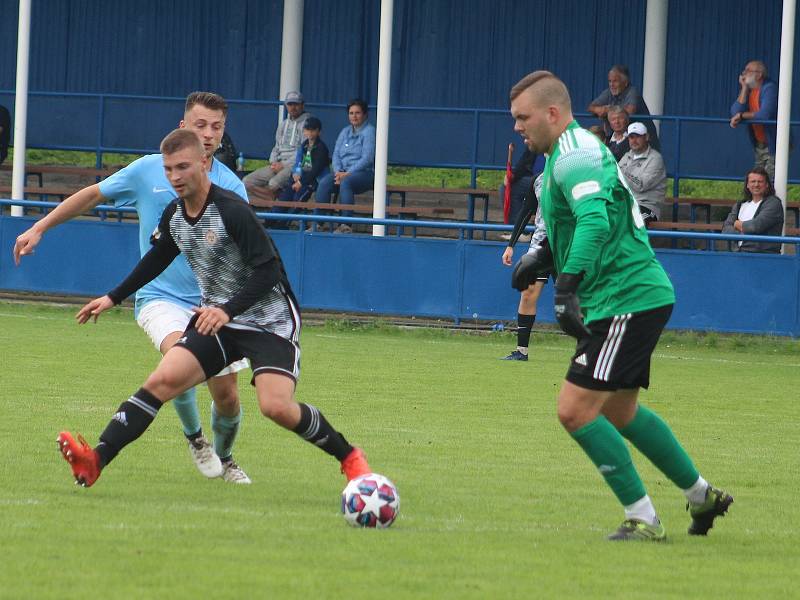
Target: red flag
507	195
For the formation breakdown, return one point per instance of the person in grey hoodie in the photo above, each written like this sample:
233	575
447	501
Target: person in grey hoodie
288	138
759	213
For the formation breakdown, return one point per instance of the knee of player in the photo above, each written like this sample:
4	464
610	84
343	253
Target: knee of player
164	384
226	400
276	406
569	418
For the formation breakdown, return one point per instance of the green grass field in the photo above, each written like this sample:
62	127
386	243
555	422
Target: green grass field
497	501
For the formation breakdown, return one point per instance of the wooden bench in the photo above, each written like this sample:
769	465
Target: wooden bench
82	173
258	199
44	193
792	206
704	227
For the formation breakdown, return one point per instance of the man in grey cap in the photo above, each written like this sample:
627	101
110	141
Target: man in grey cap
645	173
288	137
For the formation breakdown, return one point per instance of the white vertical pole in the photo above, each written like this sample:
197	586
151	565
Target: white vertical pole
21	106
382	120
784	103
291	50
655	55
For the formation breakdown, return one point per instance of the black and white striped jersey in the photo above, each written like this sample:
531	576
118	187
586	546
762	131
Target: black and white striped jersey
225	246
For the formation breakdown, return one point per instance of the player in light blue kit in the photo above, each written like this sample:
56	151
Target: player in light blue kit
164	306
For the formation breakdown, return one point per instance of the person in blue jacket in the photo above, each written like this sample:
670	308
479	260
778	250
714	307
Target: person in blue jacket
353	160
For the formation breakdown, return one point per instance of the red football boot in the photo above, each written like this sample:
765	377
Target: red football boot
82	458
355	464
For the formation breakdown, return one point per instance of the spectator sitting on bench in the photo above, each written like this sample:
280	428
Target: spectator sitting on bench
645	173
617	141
288	137
310	163
759	213
353	161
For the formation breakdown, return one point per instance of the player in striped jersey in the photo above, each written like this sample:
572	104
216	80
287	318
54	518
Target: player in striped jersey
614	297
163	307
248	311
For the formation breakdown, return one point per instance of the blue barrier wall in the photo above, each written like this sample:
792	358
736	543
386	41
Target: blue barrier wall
449	279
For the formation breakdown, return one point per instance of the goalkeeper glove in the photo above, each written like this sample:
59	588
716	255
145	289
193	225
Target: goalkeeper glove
531	266
567	307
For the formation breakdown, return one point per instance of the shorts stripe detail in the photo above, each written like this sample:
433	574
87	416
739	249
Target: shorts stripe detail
605	360
222	349
143	406
289	374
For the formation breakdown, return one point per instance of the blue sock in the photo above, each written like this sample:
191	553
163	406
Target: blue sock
225	430
186	407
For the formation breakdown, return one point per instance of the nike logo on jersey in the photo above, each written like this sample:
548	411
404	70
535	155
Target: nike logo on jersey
157	190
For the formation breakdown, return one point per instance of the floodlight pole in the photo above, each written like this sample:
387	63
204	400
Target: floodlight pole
291	50
21	106
382	119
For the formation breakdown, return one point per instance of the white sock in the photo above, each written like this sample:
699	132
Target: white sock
522	350
697	493
642	510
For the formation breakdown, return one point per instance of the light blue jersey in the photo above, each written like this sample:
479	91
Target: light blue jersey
144	186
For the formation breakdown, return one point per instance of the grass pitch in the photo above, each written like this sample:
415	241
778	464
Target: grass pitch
497	501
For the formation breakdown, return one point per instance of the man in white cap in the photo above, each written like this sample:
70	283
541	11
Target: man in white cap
288	137
645	173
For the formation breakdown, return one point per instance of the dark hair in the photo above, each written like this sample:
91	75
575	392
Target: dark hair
178	139
312	123
362	104
770	191
208	99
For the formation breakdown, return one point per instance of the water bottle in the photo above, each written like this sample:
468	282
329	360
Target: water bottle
240	162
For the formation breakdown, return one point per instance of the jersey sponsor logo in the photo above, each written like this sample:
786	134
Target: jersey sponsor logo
158	190
581	360
121	418
584	189
211	237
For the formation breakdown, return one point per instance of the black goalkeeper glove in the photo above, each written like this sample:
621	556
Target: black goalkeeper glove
531	266
567	308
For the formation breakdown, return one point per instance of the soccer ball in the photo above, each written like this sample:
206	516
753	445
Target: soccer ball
370	501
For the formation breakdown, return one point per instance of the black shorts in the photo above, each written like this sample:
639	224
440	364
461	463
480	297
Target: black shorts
266	351
617	354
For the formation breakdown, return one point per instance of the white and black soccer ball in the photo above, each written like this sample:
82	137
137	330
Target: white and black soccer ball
370	501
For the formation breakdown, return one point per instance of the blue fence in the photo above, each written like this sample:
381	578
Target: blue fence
455	279
468	138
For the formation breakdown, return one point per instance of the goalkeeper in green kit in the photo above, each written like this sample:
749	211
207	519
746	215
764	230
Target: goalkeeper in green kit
614	297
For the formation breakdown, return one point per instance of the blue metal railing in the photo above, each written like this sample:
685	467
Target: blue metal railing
462	226
474	165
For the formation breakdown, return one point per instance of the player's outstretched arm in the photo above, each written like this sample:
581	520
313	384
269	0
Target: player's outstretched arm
75	205
93	309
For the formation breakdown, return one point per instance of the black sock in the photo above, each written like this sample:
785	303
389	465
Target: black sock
524	325
129	422
314	428
194	436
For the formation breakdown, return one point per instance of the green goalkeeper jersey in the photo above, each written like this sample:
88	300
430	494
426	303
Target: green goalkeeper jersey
595	227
